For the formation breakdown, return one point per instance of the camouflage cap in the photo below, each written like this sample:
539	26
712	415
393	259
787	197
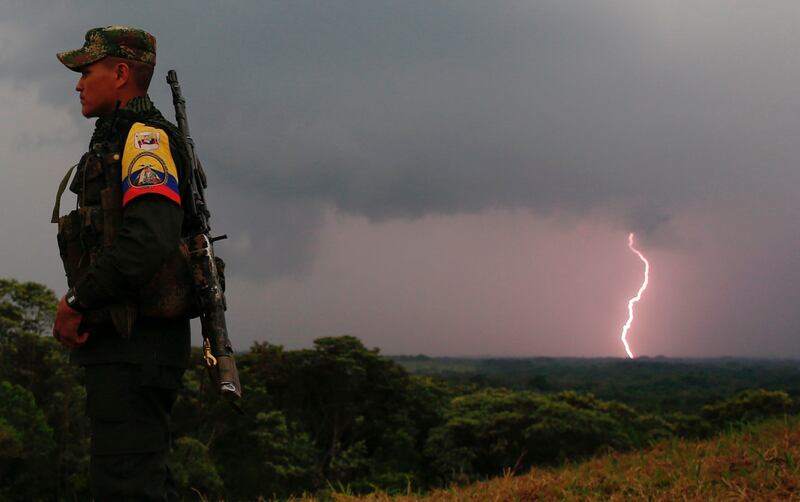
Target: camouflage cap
115	41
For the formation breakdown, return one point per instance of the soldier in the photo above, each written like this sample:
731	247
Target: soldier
125	317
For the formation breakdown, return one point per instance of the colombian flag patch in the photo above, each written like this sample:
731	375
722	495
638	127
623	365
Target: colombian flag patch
147	165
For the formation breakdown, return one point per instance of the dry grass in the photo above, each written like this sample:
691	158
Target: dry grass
761	463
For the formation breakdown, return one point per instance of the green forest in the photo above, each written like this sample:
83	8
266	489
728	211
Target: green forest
341	417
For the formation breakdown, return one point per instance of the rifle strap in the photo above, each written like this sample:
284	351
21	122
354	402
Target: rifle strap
61	187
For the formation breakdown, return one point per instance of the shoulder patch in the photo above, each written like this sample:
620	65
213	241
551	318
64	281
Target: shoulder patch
147	165
147	140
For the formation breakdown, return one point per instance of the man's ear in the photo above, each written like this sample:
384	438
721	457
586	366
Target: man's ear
122	73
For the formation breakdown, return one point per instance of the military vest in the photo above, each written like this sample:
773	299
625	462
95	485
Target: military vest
84	232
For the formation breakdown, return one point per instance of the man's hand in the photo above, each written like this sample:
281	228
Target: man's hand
65	330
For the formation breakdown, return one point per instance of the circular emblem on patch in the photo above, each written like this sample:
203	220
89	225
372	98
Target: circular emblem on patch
146	171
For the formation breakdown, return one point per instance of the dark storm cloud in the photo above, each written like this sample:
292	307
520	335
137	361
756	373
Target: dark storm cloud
402	109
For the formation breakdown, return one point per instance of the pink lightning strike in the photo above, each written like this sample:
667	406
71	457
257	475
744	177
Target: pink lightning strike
635	298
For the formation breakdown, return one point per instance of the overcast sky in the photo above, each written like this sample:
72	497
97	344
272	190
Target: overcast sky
457	177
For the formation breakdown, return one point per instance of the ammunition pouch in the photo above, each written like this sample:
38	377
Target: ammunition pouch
75	232
78	234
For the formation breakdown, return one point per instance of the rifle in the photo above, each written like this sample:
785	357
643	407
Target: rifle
204	265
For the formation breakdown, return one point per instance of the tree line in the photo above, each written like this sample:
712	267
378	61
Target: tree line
334	417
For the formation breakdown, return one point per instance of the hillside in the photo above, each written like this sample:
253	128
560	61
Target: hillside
338	417
757	463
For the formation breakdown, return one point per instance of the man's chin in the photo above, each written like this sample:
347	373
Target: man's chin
92	112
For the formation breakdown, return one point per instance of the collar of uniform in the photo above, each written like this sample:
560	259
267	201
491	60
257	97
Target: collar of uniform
138	108
140	104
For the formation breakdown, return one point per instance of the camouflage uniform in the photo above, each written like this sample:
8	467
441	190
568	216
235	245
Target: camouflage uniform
131	379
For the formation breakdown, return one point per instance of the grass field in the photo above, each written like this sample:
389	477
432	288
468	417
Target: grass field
756	463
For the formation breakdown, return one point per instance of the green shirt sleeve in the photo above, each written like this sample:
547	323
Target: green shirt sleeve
150	231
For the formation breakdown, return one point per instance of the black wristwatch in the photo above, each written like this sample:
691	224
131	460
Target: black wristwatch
72	300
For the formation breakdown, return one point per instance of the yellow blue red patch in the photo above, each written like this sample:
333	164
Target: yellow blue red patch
147	165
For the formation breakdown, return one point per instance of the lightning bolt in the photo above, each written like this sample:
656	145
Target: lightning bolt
635	298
